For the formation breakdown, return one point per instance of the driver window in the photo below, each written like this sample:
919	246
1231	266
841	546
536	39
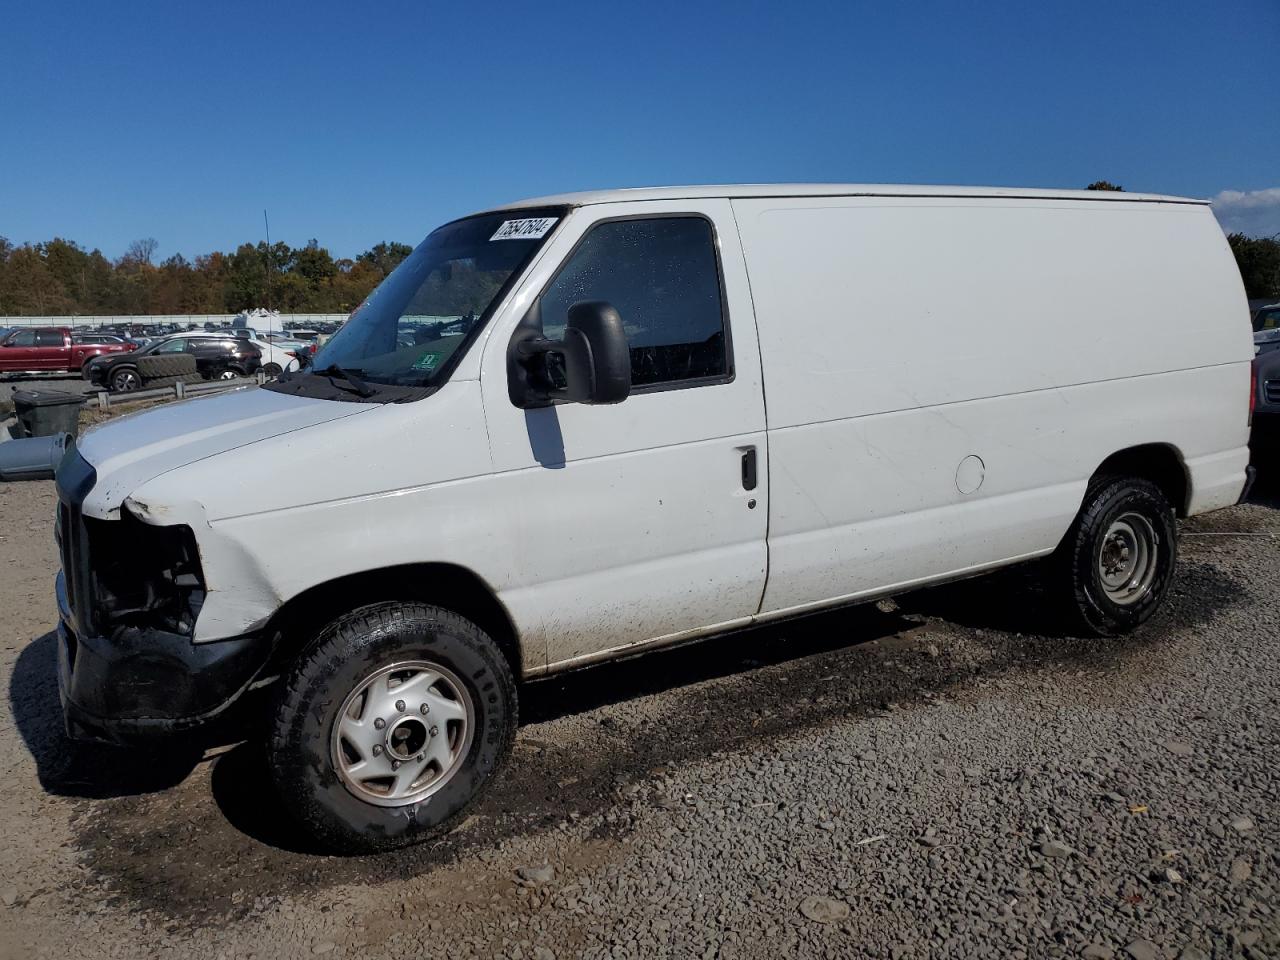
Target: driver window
23	338
663	278
172	346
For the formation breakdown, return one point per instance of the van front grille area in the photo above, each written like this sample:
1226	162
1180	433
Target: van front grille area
74	481
67	544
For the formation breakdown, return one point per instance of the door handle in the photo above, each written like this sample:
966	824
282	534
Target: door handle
749	468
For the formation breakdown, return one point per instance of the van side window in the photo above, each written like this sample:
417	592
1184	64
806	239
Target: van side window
663	278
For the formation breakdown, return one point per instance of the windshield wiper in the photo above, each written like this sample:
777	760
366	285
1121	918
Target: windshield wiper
349	374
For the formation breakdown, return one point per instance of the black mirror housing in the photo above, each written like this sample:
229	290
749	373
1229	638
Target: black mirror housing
599	351
595	358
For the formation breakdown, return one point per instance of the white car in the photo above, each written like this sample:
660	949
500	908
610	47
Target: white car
282	340
629	419
277	357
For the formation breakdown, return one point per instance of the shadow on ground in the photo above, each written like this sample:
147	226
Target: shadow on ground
1266	487
71	769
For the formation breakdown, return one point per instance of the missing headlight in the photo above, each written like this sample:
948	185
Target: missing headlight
144	575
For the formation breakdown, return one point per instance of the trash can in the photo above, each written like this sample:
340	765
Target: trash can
43	413
32	458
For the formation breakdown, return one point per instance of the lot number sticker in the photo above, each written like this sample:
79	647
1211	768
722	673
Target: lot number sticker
534	229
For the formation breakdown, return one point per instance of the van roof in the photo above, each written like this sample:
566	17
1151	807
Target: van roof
703	191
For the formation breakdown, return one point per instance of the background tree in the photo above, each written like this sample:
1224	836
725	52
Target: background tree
1104	185
246	279
29	286
385	257
142	251
1259	262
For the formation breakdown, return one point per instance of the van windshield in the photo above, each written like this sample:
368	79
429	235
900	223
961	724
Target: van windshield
413	324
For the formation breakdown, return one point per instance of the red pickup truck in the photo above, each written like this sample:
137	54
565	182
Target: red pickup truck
43	349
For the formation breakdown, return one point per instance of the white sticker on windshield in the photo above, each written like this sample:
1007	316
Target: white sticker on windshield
534	229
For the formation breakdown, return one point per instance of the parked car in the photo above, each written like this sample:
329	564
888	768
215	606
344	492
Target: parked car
656	415
50	349
1266	328
217	358
309	337
1264	438
277	358
96	338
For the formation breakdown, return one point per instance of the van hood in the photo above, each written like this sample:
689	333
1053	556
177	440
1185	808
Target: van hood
133	449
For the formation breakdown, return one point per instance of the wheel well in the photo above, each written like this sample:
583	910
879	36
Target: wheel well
443	584
1157	462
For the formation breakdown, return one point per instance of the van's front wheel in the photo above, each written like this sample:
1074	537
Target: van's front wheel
390	724
1116	563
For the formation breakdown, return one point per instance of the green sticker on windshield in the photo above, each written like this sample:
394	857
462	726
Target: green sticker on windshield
427	361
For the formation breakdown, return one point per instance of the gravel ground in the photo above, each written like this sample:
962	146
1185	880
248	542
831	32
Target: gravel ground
941	777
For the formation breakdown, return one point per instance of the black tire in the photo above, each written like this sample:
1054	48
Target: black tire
1076	569
338	661
272	370
125	379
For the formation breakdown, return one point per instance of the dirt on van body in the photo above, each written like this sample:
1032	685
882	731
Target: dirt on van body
945	776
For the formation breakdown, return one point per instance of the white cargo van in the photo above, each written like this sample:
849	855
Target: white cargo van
625	419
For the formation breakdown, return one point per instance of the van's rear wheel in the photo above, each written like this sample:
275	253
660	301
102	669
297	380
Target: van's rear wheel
1116	563
392	722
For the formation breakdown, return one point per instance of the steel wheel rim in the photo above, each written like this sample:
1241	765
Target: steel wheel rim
1127	558
402	761
126	380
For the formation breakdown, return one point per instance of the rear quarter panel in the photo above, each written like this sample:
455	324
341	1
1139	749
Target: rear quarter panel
900	336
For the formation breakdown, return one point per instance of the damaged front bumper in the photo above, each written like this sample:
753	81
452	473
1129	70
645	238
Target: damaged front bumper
129	593
140	683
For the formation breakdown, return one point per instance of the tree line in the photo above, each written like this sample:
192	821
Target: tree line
1259	261
59	277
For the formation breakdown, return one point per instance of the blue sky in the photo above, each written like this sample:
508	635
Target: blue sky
354	123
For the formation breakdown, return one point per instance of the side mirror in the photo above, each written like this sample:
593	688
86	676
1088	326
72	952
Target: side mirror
592	364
